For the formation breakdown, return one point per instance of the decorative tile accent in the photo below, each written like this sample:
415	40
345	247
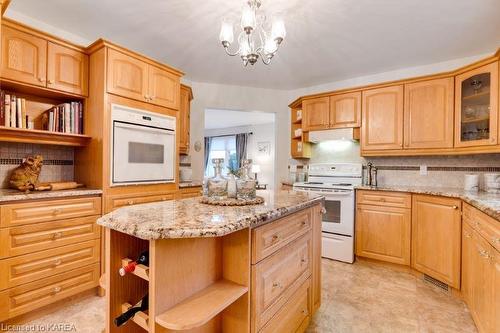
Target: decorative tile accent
58	164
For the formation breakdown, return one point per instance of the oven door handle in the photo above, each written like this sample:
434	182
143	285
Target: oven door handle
335	194
143	128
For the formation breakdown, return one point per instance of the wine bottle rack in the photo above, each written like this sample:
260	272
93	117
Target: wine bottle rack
140	318
140	270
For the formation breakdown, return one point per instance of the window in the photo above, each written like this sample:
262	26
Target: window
222	147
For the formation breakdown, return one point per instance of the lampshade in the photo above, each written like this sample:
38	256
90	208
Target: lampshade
255	168
278	31
226	31
248	20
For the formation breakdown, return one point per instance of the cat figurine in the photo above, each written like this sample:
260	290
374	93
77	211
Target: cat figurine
25	177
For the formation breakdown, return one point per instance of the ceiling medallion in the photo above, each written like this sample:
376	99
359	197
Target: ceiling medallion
253	41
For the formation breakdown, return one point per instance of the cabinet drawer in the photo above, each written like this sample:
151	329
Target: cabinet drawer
34	266
115	202
383	198
270	237
277	277
42	211
294	316
193	192
33	238
486	226
31	296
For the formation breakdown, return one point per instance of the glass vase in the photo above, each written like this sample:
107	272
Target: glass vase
245	185
217	185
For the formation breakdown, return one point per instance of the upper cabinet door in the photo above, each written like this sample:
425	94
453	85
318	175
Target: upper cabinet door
316	114
382	118
67	69
184	121
24	57
429	114
164	88
476	107
127	76
345	110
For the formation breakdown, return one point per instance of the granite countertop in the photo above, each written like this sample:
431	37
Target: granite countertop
488	203
193	183
188	218
7	195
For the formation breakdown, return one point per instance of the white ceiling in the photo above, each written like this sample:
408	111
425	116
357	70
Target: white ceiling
328	40
217	119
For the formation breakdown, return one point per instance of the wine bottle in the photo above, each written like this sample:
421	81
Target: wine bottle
142	260
142	305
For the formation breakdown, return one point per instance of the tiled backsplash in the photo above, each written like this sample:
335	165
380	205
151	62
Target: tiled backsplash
58	164
442	171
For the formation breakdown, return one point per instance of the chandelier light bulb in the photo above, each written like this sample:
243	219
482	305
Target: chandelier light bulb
278	30
245	47
248	19
270	46
226	35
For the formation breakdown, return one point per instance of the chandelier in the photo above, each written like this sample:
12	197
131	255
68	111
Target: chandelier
254	41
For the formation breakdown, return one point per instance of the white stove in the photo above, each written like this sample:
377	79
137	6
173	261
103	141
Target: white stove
336	182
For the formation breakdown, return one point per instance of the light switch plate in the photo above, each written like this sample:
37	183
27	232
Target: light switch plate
423	170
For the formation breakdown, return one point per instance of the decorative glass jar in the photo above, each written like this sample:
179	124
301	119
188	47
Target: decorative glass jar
245	185
217	185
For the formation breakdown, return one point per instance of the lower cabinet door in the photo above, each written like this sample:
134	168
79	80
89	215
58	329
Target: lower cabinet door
436	237
31	296
383	233
295	315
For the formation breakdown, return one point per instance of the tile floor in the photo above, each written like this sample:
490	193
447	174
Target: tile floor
363	297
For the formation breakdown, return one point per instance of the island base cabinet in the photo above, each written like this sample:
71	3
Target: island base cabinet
436	237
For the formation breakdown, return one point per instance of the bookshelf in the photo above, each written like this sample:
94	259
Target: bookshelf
37	102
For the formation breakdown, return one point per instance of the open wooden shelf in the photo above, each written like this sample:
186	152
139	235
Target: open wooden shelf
140	270
140	318
200	308
478	95
476	120
23	135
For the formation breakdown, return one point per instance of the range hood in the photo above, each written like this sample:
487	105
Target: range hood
334	134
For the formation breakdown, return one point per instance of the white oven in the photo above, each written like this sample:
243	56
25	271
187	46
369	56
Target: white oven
143	147
336	182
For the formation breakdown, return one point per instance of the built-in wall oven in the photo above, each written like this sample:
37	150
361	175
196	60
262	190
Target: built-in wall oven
142	147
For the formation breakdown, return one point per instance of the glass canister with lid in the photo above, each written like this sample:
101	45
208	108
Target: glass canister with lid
217	185
245	185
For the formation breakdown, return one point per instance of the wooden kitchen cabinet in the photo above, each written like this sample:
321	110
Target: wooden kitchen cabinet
127	76
476	107
428	114
185	119
345	110
316	114
67	69
133	78
436	237
382	118
163	88
24	57
383	233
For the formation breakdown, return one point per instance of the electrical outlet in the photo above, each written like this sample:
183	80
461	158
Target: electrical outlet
423	170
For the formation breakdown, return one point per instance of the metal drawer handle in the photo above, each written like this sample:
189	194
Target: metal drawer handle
483	253
57	289
130	202
304	312
57	262
275	237
41	79
57	235
303	260
454	207
468	236
495	240
303	223
276	284
51	81
323	210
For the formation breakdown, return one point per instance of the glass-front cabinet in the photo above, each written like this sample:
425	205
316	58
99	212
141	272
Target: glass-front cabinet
476	107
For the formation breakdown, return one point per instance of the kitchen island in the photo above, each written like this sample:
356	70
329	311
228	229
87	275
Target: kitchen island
214	268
